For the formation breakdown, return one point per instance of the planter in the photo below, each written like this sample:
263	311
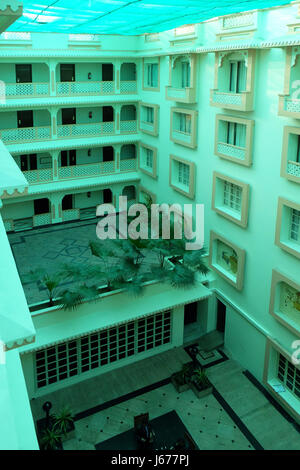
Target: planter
180	387
297	306
200	391
233	264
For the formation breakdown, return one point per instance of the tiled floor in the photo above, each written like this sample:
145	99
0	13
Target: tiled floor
237	416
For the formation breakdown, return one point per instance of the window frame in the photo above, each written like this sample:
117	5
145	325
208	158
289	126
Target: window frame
218	205
285	156
146	63
249	123
154	125
282	234
142	167
192	124
173	176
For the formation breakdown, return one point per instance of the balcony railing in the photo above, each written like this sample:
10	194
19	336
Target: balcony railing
231	150
90	169
128	165
288	106
128	86
70	214
293	168
25	90
39	176
85	88
240	101
82	130
25	134
184	95
127	127
42	219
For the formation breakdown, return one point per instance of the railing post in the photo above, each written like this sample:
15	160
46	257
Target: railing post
53	112
52	71
117	76
54	155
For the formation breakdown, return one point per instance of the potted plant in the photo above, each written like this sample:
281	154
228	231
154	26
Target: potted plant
200	383
294	297
181	379
51	439
64	424
233	262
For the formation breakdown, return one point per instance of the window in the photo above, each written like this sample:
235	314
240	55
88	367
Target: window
237	78
288	226
185	123
183	127
236	134
152	75
289	375
185	74
234	138
232	196
183	174
104	347
227	259
148	121
295	226
147	160
149	115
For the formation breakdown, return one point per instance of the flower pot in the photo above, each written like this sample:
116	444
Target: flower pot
178	385
297	305
233	264
201	391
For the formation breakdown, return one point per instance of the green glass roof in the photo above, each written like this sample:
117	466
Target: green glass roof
126	17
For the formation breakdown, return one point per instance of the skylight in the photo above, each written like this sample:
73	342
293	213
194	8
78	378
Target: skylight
129	17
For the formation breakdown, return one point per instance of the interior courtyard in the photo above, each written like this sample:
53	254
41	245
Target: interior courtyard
123	343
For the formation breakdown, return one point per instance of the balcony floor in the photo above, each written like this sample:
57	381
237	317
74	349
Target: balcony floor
236	416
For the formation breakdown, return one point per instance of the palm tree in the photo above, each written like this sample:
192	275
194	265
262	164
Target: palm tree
50	281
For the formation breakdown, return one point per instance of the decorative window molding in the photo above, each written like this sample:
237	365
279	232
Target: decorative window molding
290	160
289	99
182	78
186	30
148	160
182	176
148	118
234	139
151	74
285	301
227	259
288	226
234	80
151	37
238	21
230	199
278	365
183	127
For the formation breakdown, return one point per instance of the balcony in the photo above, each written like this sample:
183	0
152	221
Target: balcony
25	134
231	150
90	169
240	101
184	95
88	88
26	90
128	127
128	87
293	168
289	107
85	130
39	176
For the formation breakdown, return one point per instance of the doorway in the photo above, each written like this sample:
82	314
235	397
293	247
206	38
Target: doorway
107	196
67	72
28	162
23	73
221	316
67	202
41	206
25	119
68	116
107	72
108	114
68	157
108	154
